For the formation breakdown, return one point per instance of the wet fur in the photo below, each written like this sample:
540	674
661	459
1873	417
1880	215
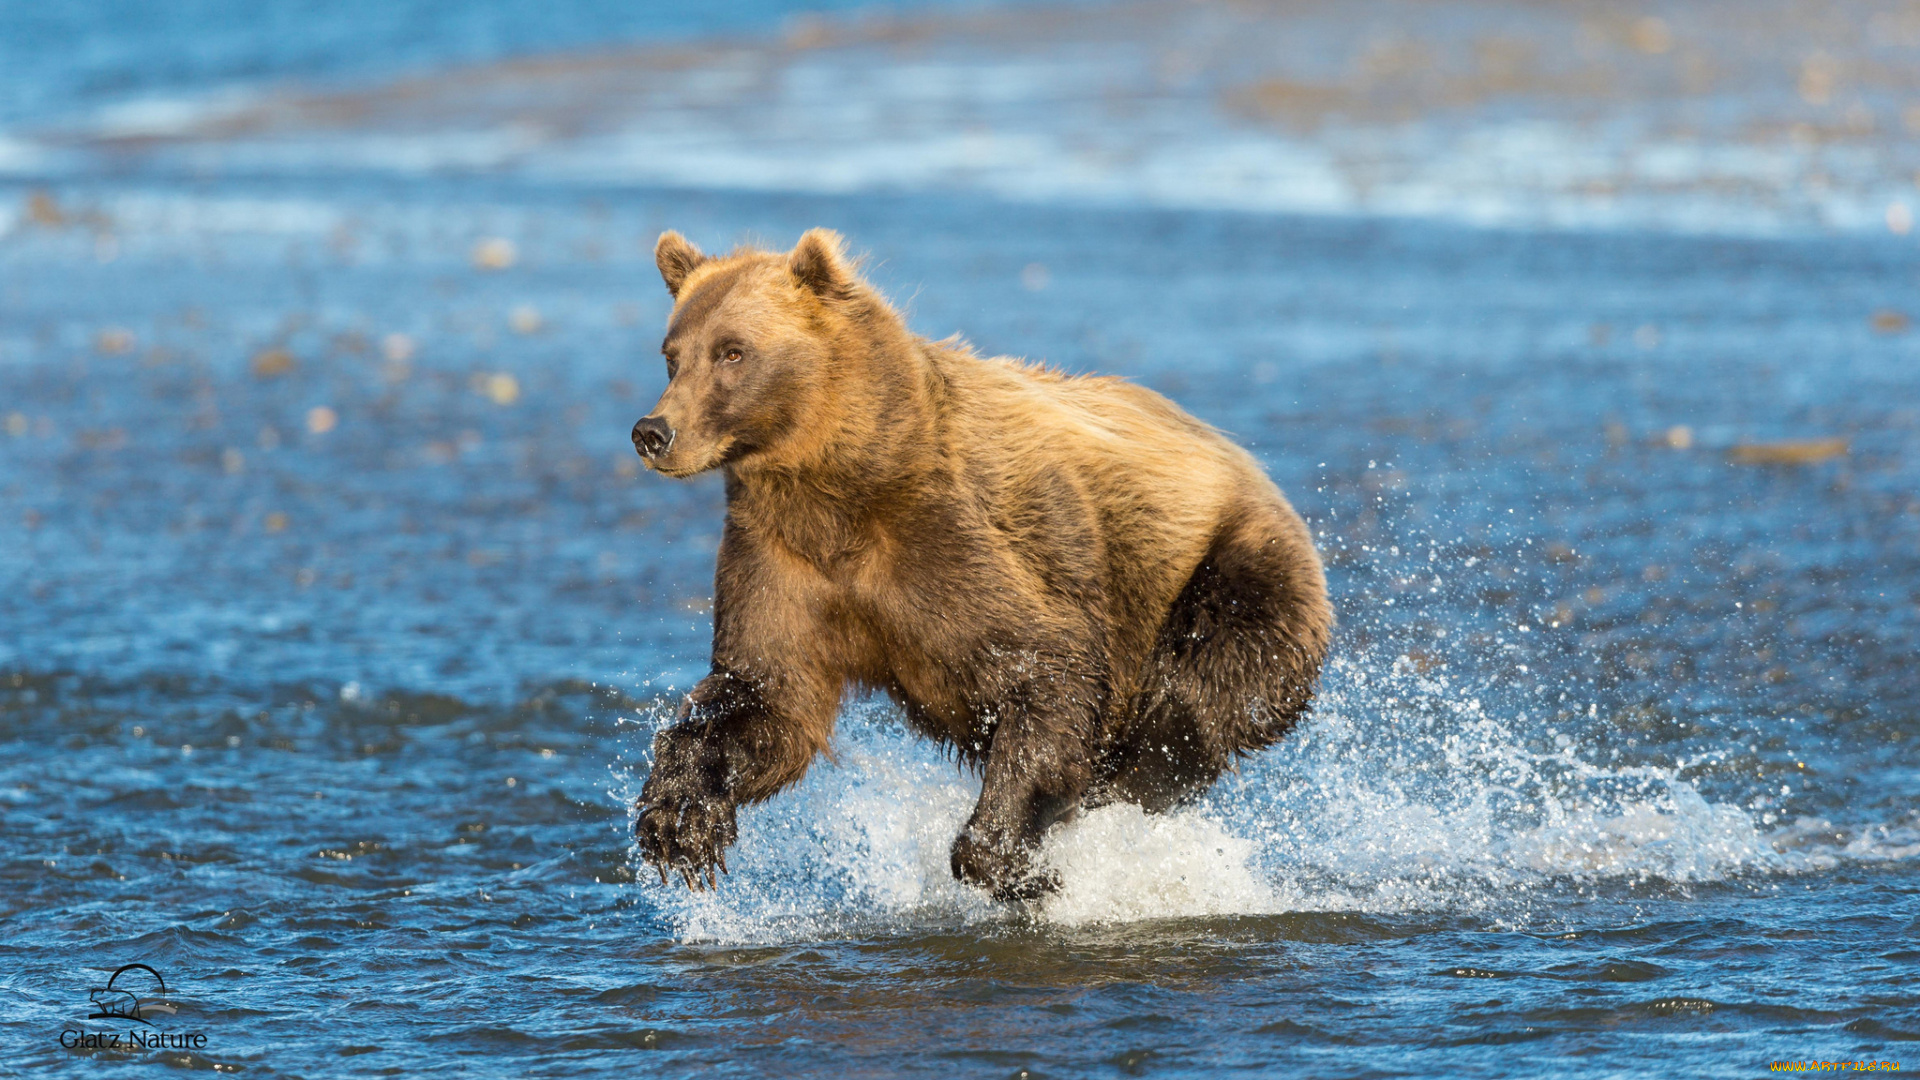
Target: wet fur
1088	594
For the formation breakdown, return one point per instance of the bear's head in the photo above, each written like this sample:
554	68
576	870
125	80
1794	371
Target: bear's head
749	349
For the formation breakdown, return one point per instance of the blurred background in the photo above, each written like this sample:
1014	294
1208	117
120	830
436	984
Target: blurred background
1748	117
335	612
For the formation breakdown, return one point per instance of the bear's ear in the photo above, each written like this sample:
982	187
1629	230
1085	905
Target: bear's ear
676	258
819	264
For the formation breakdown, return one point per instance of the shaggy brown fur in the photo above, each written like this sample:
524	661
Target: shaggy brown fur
1087	593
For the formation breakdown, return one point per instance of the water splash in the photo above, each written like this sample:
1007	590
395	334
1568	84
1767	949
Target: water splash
1413	777
1407	792
862	840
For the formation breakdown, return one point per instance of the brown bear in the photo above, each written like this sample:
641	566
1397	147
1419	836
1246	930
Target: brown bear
1084	592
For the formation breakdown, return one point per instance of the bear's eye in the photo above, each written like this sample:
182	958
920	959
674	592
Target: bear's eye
732	356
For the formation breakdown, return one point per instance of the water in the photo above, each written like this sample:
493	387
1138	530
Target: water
1754	118
336	618
65	59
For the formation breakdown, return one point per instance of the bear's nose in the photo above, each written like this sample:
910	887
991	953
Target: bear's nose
651	436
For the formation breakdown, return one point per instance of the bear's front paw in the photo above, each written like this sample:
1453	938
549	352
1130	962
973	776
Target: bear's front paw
1003	870
684	819
687	834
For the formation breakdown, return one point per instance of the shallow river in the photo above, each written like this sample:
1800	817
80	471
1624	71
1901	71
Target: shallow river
335	617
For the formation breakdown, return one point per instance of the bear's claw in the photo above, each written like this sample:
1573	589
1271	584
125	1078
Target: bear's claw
686	834
684	818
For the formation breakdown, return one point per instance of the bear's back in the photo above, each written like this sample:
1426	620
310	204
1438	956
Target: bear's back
1136	449
1154	484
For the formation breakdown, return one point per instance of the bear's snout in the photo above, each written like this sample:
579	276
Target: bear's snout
651	436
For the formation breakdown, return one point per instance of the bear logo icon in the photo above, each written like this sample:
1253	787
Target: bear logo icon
116	1002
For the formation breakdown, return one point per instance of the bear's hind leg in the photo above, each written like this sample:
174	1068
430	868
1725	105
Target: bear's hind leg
1035	773
1233	668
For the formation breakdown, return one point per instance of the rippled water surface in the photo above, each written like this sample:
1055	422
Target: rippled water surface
335	618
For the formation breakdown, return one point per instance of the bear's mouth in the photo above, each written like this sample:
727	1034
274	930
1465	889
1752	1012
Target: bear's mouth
714	458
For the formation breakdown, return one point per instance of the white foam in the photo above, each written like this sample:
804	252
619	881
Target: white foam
186	214
163	116
19	156
1119	864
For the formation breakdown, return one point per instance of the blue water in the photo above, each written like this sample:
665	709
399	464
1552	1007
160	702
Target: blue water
335	618
63	58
